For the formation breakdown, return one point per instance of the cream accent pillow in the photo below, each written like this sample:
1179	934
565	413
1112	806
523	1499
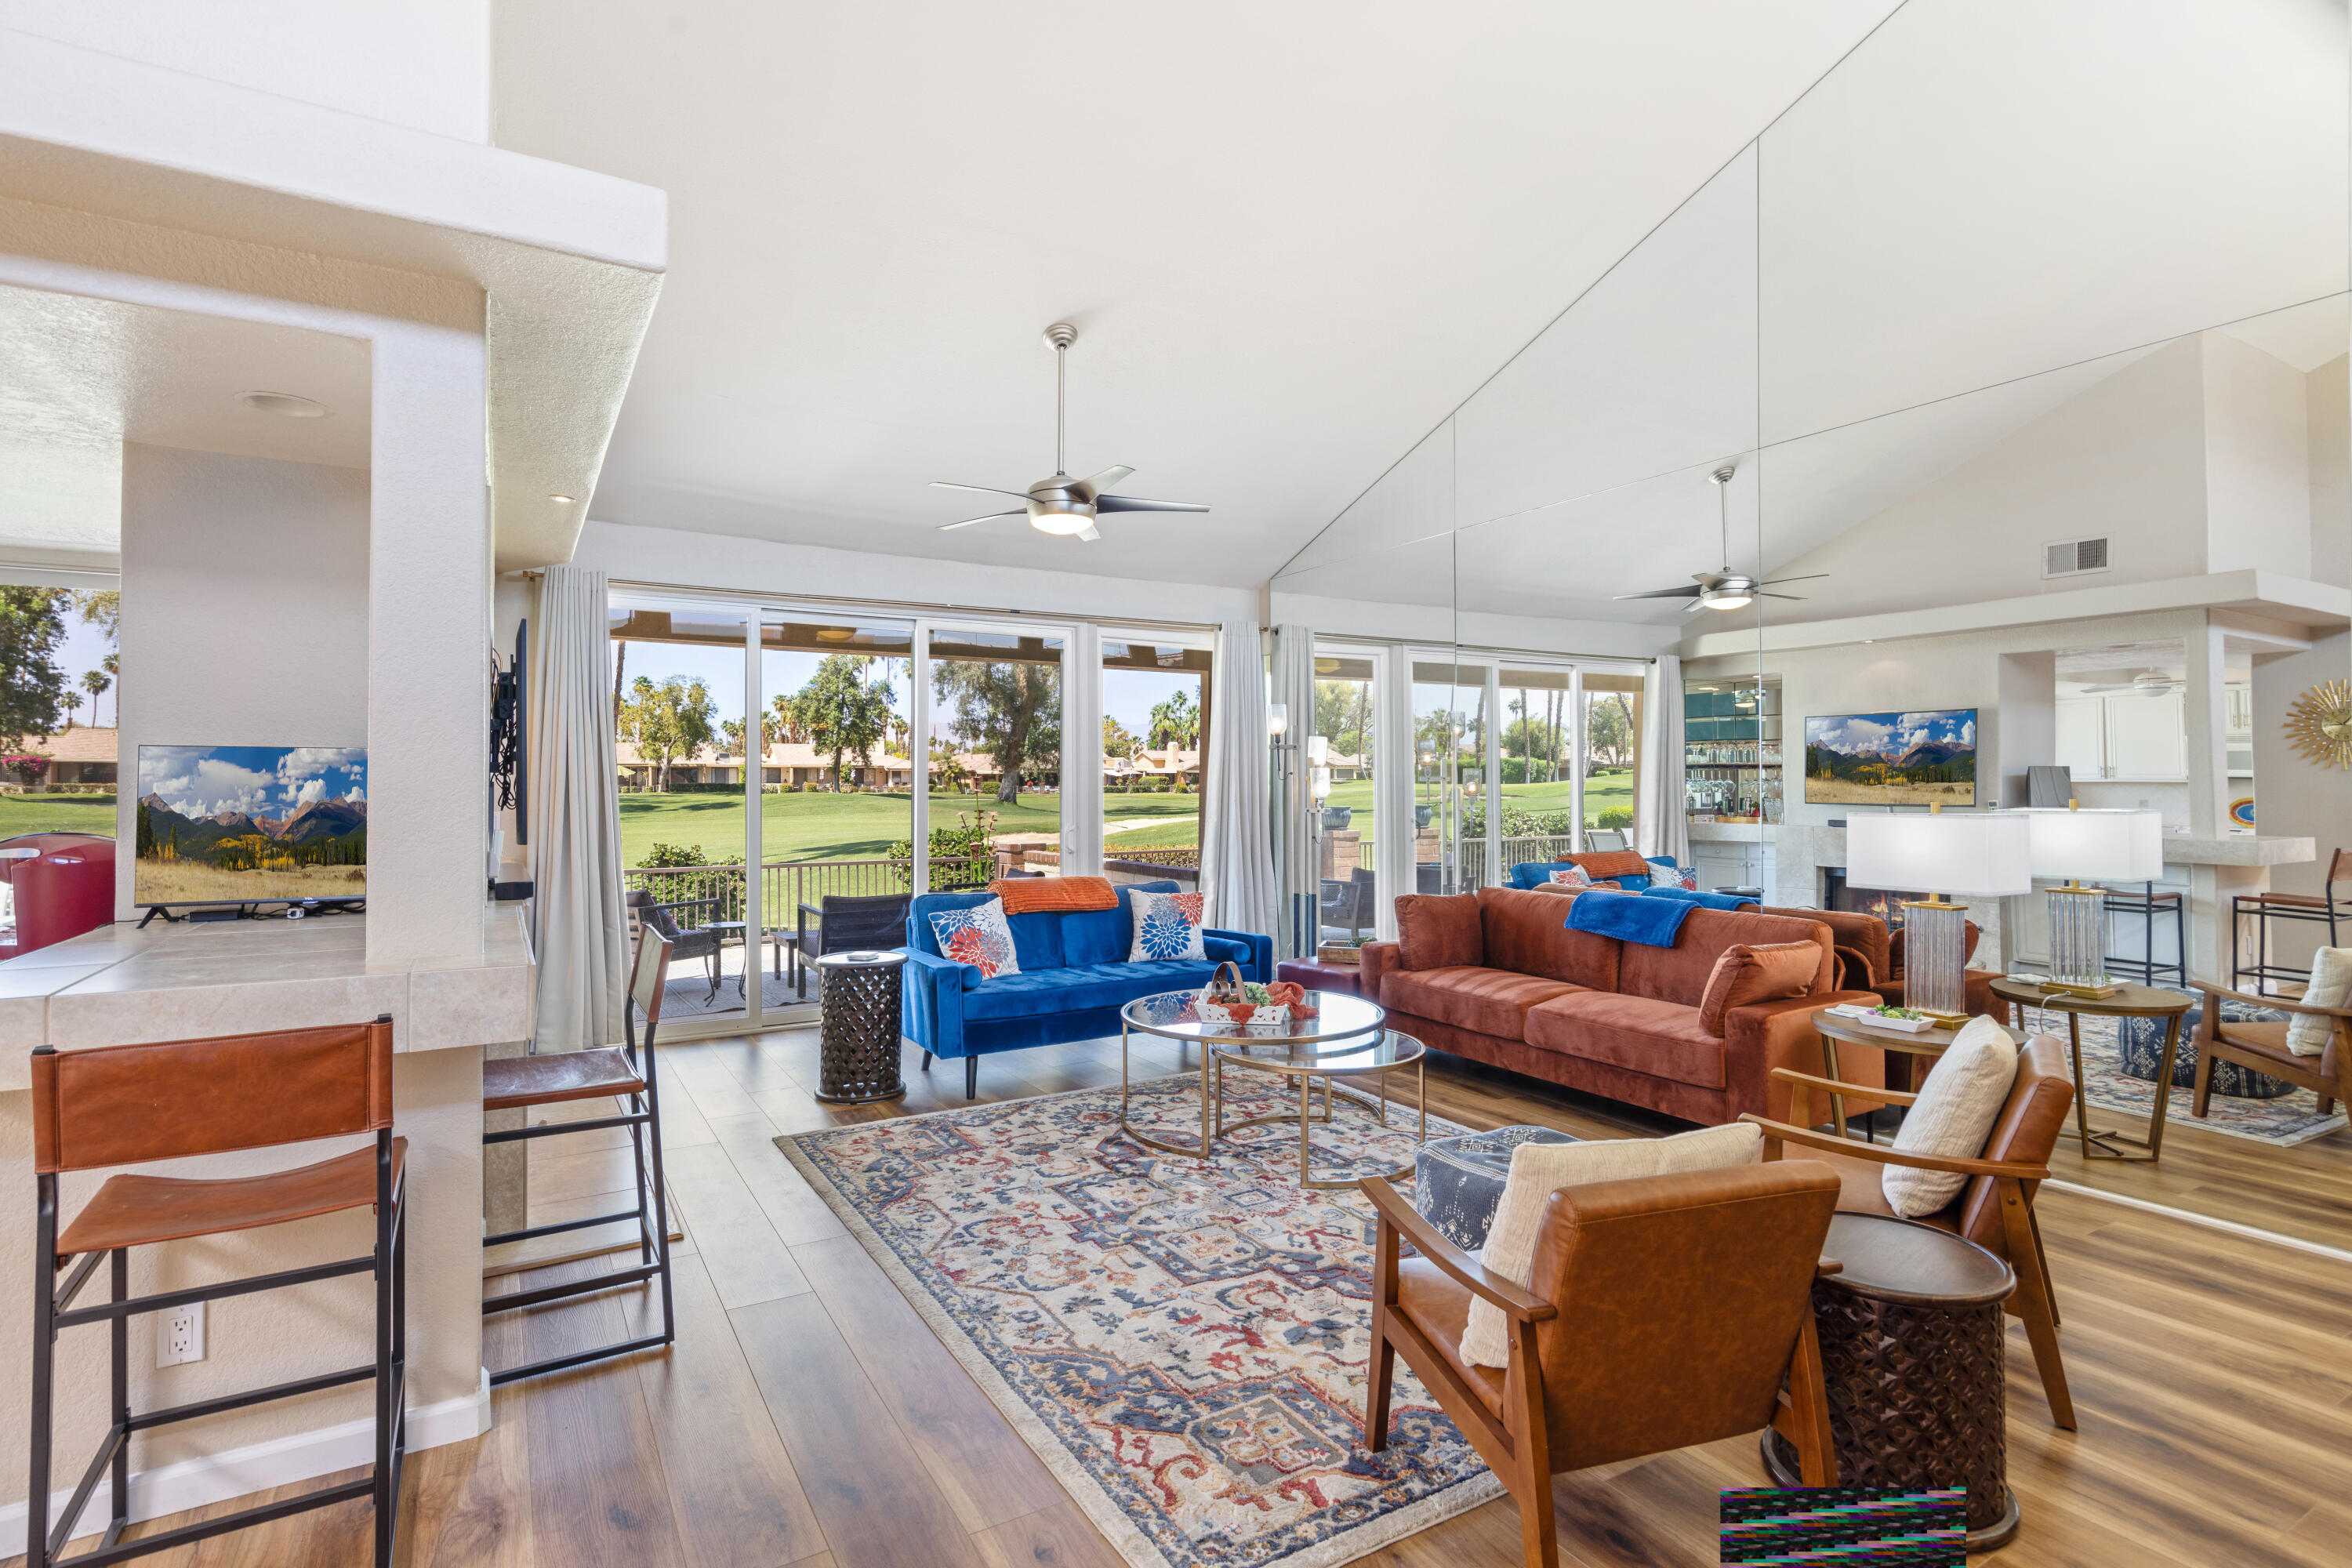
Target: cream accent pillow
1538	1170
1957	1108
2331	986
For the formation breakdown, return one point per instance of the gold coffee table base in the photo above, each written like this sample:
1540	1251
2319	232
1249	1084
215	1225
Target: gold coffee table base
1303	1118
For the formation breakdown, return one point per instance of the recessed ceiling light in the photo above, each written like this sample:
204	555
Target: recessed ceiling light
565	500
283	402
835	633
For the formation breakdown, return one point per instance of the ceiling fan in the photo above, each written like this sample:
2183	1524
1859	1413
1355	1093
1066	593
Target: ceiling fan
2147	683
1062	504
1727	589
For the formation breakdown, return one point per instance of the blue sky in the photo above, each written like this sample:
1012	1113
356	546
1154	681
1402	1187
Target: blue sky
259	781
85	648
1892	733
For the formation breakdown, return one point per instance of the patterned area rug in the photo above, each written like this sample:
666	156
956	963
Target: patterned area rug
1183	1343
2291	1119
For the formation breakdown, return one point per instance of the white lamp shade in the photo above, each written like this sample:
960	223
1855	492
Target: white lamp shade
1318	750
1319	782
1975	855
2097	846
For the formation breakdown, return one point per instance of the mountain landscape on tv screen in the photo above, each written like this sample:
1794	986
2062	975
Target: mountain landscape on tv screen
1892	759
222	823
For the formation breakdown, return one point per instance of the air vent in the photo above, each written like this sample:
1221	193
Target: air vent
2072	557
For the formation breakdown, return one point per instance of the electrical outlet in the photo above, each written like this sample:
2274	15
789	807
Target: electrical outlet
180	1335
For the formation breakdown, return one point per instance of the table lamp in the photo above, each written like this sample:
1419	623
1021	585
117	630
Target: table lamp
1979	855
2106	847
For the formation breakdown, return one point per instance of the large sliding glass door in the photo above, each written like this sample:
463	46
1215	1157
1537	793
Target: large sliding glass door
1156	696
994	800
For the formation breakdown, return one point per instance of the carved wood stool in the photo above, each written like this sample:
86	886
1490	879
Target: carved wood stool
857	1024
1912	1354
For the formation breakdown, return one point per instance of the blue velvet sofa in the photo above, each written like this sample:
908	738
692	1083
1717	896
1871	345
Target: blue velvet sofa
1528	874
1074	979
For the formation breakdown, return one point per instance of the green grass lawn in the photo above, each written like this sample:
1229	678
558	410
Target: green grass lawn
56	814
797	827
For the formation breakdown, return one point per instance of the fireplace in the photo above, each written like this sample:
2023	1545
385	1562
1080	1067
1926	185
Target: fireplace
1886	905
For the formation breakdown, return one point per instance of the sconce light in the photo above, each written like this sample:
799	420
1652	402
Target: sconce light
1277	720
1320	782
1318	750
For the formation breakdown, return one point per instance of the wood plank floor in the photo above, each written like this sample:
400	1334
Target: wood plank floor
807	1417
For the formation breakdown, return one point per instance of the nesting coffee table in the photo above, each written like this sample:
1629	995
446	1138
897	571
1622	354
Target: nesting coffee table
1348	1037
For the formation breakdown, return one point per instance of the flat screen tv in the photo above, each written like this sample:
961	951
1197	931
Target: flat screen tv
240	825
1919	758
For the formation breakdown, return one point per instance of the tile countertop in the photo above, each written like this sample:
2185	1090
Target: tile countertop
120	986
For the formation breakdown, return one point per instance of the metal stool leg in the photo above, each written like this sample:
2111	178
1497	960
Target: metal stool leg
45	1349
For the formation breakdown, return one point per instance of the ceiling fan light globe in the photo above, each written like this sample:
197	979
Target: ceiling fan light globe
1727	599
1061	520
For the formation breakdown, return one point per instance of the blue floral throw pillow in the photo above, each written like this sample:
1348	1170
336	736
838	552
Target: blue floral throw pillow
978	936
1167	925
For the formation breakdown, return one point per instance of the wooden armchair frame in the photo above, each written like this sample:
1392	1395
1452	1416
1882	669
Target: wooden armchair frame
2034	1302
1517	1445
2212	1047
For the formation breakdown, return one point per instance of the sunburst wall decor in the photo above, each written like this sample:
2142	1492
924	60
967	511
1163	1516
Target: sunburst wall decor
2319	724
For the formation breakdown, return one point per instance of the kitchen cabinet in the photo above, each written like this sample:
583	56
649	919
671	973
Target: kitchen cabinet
2125	737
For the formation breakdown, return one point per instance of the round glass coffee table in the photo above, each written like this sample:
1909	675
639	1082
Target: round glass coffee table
1347	1037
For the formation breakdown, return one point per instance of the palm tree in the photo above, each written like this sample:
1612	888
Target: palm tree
95	683
112	665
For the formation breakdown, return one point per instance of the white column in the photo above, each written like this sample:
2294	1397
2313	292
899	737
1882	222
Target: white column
2205	714
429	628
1396	840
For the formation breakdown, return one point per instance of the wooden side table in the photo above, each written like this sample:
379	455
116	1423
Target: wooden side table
2129	1002
1912	1353
1854	1032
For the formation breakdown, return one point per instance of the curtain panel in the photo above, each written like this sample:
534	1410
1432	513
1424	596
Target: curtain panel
1236	863
1661	823
578	931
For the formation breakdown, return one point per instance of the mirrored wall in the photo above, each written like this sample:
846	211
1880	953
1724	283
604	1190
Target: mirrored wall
1988	410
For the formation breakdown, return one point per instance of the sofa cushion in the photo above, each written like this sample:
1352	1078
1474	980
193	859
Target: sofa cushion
1439	930
1600	863
1167	926
1033	993
1490	1000
1641	1034
1680	973
1750	973
1523	930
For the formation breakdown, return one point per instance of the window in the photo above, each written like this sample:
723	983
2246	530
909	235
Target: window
996	753
1341	752
1155	737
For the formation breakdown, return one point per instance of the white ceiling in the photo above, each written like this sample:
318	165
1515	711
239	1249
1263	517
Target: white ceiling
1293	237
80	376
1988	207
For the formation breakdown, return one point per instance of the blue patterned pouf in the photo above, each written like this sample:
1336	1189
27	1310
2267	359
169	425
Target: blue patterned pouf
2143	1047
1458	1182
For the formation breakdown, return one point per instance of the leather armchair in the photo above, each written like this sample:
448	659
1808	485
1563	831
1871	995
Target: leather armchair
1995	1210
1660	1313
2262	1046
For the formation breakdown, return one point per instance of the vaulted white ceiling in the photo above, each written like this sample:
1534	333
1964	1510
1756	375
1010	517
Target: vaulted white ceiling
1293	238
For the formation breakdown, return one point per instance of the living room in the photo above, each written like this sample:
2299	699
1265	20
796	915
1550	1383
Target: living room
1683	838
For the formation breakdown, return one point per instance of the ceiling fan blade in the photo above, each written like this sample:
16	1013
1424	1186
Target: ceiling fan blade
1089	533
967	522
1808	577
1692	592
1793	598
1692	608
1107	477
1137	504
984	489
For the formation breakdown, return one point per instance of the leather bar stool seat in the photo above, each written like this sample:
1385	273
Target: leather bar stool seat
138	1211
511	1083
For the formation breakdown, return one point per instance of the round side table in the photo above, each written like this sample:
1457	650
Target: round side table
1912	1354
2128	1002
857	1024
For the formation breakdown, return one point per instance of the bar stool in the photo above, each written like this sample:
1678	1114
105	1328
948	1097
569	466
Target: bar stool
130	1105
514	1083
2328	909
2149	904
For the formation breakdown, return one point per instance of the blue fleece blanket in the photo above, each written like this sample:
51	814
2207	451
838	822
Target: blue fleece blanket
1704	900
1629	916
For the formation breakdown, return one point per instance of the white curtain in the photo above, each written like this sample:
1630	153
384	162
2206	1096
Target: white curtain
1237	865
1296	845
578	931
1661	823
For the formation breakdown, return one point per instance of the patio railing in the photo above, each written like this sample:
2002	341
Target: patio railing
718	893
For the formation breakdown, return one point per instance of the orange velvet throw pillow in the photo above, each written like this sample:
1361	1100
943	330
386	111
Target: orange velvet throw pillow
1054	895
1600	863
1747	974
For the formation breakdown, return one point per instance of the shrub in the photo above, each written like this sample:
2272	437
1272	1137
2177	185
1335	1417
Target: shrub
973	838
1615	816
666	854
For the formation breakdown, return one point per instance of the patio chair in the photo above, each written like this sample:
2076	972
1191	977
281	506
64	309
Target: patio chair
697	942
1348	905
846	924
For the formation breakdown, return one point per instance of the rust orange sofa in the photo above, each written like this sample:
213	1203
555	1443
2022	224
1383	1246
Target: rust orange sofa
1496	977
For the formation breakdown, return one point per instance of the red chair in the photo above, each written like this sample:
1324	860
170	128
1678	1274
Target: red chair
63	888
